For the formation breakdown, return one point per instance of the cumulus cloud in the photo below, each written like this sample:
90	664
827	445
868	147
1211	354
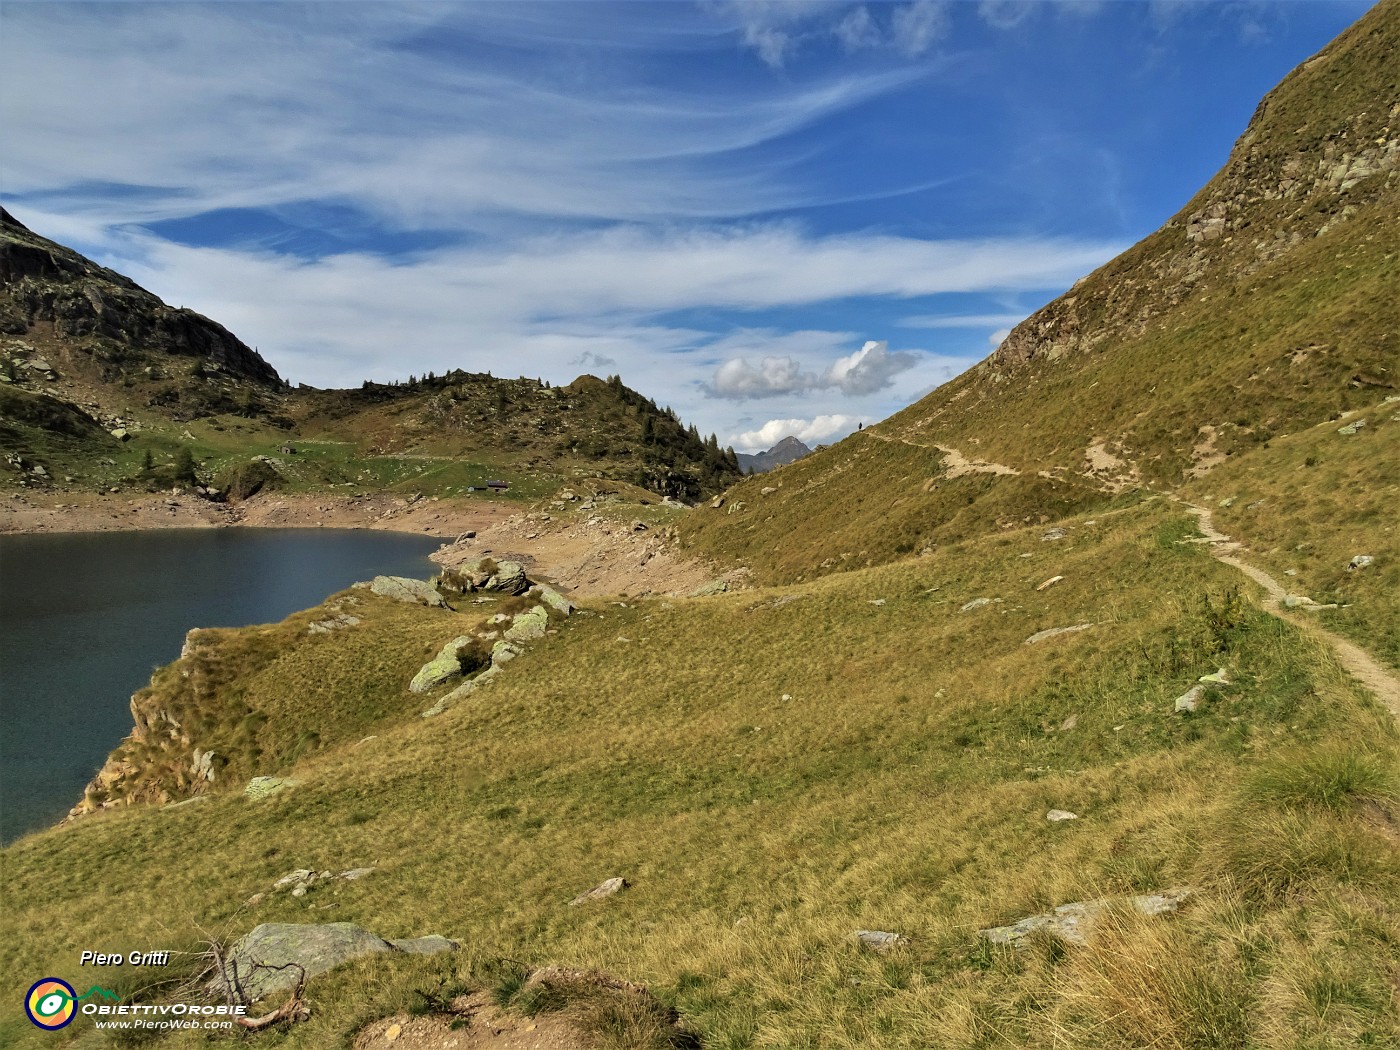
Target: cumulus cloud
808	431
867	371
737	379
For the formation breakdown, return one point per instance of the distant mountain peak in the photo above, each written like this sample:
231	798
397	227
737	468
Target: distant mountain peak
788	450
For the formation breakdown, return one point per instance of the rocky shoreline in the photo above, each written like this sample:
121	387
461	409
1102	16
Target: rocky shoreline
62	512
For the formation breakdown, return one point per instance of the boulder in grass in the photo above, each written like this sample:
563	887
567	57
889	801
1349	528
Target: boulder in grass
402	589
604	889
275	955
460	656
1074	922
528	626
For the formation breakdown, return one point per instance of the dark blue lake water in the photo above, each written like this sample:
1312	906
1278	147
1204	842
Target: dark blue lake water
85	618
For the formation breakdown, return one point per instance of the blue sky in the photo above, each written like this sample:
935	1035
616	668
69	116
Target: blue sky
777	217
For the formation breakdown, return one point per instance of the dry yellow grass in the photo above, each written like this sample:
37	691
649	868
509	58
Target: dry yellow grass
846	765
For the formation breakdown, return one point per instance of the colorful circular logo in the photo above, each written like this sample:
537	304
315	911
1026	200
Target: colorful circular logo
51	1003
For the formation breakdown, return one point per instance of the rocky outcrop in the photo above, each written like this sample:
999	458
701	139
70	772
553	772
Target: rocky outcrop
402	589
275	956
44	283
1074	922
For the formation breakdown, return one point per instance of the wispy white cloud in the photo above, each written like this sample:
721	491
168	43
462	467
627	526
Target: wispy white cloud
918	26
961	320
998	337
1005	14
808	431
353	110
778	30
858	31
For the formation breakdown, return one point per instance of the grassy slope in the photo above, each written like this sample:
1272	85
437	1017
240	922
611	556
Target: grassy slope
1286	319
902	786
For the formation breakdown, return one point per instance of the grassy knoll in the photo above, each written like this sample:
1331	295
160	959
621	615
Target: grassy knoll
863	754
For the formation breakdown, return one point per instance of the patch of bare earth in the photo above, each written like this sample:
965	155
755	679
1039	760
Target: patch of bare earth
1204	455
958	465
1110	470
588	556
474	1022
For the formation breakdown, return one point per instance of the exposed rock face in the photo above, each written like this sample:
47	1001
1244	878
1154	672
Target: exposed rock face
248	968
42	282
1295	174
402	589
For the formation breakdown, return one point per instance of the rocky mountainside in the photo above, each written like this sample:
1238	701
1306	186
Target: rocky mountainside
68	313
1268	305
788	450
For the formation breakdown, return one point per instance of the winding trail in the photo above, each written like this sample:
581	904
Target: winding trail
1359	663
1356	660
955	461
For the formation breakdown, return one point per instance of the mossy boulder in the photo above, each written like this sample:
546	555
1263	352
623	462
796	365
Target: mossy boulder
528	626
460	656
402	589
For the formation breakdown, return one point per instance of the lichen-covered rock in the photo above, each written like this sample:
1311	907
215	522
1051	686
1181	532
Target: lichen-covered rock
463	691
262	787
528	625
713	587
509	578
503	652
458	657
1073	922
250	972
555	600
402	589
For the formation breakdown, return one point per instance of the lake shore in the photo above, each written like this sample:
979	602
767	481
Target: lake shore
587	558
34	512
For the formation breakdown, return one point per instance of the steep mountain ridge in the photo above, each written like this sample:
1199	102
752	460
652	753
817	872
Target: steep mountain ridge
68	306
1269	304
